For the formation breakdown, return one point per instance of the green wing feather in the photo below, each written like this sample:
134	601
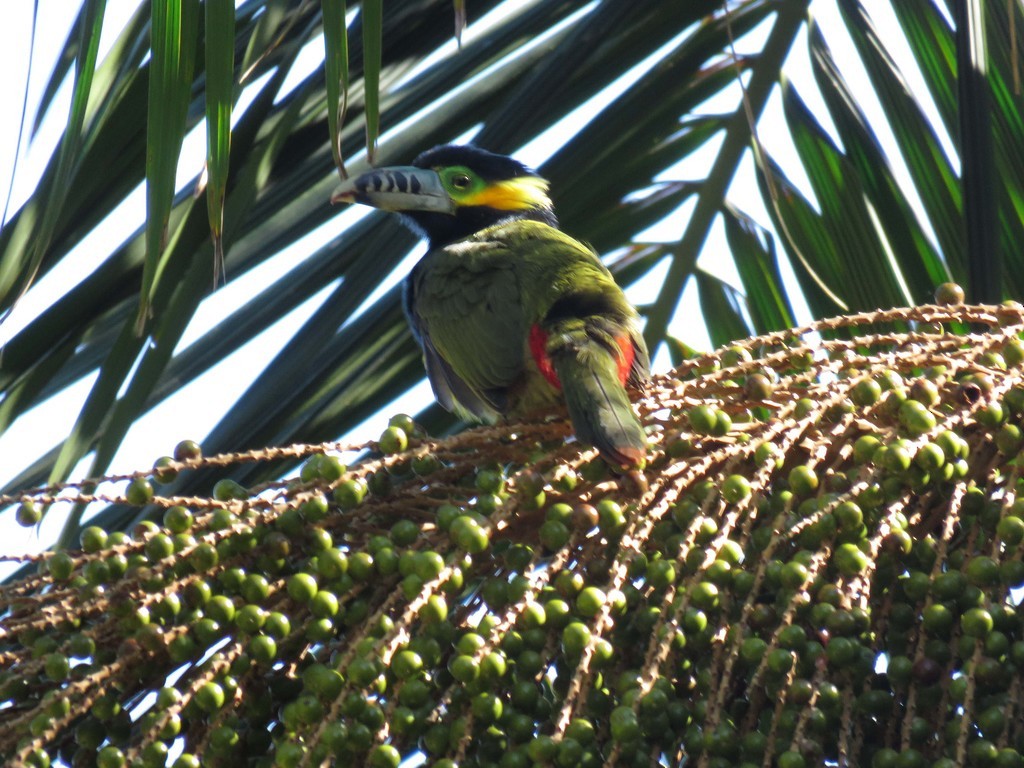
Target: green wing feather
586	356
467	310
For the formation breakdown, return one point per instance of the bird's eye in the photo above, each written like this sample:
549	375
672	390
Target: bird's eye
461	181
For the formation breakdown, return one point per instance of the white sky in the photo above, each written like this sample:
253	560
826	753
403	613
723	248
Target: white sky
193	412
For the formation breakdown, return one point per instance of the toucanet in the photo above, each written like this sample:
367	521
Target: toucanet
513	315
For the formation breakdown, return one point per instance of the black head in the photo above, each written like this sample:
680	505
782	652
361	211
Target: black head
451	192
487	189
488	165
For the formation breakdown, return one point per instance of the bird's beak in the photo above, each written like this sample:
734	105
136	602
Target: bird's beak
400	188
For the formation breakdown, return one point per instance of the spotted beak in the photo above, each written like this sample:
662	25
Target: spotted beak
400	188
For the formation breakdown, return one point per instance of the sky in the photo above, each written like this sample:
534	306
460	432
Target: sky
159	431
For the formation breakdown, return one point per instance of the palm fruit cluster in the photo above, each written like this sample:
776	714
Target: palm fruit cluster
818	567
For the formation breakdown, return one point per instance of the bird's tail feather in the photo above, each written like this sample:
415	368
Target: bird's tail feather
597	401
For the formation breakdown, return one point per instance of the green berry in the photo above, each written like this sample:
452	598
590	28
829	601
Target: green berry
139	492
385	755
393	440
28	514
1011	530
406	663
803	481
864	448
625	727
554	535
703	419
350	493
57	666
866	392
611	517
590	601
916	417
735	489
575	638
302	587
187	450
93	539
227	489
469	535
60	565
250	619
210	697
850	560
178	519
110	757
949	294
324	605
976	622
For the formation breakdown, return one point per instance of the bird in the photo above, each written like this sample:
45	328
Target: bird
512	315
